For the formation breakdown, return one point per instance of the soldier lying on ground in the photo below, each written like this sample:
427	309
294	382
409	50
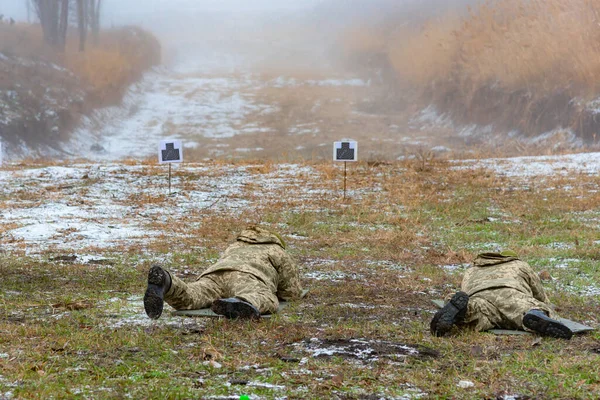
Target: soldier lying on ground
500	291
246	282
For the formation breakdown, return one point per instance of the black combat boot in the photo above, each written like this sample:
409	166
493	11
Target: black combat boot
159	283
539	322
235	308
451	314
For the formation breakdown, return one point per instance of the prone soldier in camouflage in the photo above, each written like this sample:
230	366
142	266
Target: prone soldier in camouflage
500	291
248	280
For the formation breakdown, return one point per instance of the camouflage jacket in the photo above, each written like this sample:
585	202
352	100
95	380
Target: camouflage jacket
492	270
262	253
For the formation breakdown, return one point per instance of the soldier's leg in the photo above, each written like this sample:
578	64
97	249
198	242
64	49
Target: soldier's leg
523	311
249	288
513	305
507	308
159	282
451	314
481	314
539	322
195	295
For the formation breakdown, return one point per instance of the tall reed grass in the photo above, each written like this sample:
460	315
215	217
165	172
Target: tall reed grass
108	67
530	63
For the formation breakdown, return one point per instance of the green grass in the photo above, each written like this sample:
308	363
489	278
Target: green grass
72	330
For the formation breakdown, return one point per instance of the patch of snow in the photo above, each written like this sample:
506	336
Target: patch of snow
282	81
332	276
452	268
465	384
430	117
164	102
390	265
90	205
266	385
527	167
337	82
363	306
560	246
354	348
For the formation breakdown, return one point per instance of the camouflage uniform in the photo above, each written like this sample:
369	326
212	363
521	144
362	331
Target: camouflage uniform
256	269
501	290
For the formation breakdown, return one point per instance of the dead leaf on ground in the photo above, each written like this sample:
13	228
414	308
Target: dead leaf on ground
545	275
73	306
210	353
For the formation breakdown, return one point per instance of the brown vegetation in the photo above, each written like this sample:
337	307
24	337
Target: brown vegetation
75	326
526	65
119	59
43	92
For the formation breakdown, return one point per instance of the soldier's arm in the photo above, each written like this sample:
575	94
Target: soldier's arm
537	289
289	287
466	278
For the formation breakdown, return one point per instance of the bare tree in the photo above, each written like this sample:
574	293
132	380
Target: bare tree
88	18
54	18
93	12
63	25
82	23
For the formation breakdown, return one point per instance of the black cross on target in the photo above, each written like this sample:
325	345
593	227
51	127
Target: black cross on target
170	153
345	153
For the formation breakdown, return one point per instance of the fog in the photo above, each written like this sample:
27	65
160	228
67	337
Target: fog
230	32
133	11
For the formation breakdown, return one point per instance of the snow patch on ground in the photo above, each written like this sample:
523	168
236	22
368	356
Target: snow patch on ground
167	105
539	166
332	276
105	205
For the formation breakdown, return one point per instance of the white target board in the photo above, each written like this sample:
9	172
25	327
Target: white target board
345	150
170	151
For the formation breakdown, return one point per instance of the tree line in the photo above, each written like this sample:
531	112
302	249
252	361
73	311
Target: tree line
56	16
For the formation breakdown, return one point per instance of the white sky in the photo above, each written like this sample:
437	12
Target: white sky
118	8
217	5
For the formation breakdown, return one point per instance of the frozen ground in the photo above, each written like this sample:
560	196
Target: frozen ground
196	103
541	166
106	205
166	104
103	205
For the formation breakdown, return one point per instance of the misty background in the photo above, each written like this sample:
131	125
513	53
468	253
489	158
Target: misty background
422	74
298	32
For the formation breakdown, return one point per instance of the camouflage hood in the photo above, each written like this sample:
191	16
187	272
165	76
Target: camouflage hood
488	259
258	235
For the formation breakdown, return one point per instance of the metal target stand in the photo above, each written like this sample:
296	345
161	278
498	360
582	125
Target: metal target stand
345	150
170	151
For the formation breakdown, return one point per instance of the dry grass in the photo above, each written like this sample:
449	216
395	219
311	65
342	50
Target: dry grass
119	57
526	65
381	254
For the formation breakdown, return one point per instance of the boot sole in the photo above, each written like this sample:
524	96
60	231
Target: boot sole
153	298
547	326
450	314
234	310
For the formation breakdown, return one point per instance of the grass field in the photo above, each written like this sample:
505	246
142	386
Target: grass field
78	239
